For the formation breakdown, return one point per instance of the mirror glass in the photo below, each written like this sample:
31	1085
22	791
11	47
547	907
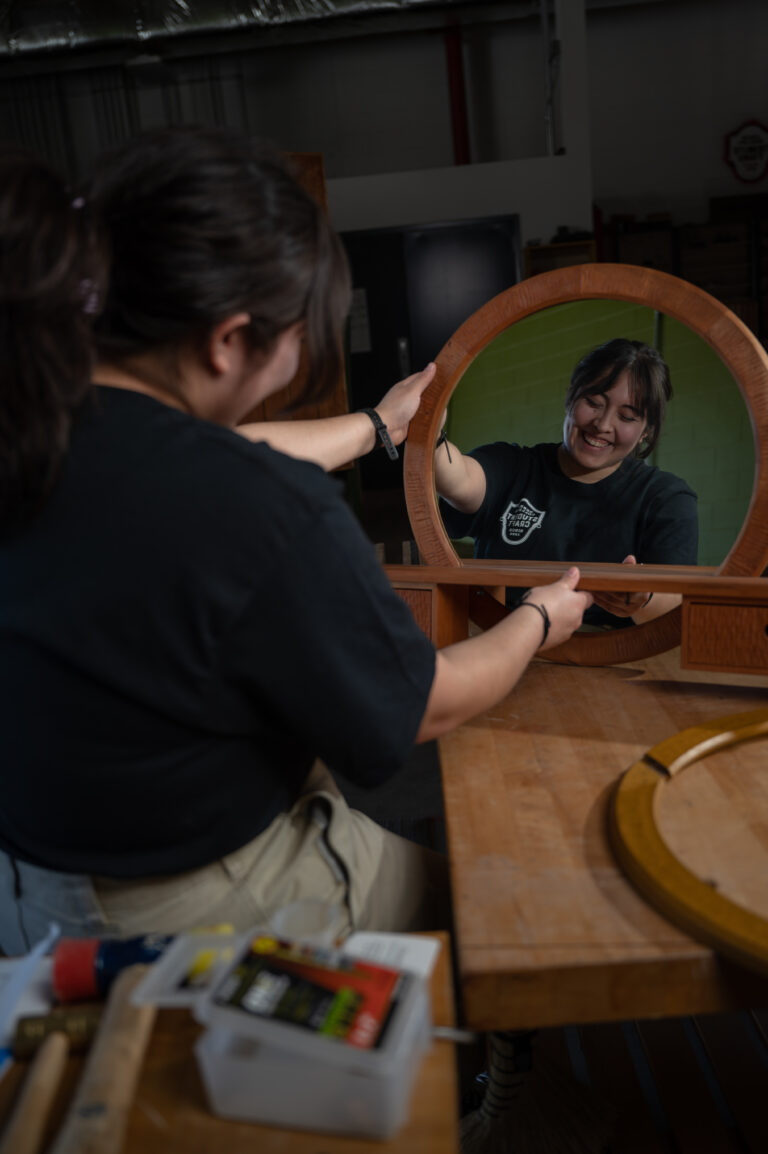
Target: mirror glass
514	390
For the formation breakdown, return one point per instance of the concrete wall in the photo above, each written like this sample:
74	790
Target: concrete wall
667	82
504	69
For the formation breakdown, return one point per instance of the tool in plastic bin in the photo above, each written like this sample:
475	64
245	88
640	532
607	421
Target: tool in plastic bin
25	1130
98	1114
85	968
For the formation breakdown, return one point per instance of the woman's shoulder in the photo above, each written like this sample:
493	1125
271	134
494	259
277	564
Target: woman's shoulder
655	480
175	459
263	475
506	452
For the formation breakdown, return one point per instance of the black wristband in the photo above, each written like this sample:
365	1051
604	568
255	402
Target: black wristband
544	616
646	602
382	432
443	440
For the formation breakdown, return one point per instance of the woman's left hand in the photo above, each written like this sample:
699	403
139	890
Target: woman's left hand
623	604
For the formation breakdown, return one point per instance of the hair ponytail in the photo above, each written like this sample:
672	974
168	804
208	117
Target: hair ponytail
49	270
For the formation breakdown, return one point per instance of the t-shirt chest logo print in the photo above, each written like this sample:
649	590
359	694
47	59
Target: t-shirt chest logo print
519	520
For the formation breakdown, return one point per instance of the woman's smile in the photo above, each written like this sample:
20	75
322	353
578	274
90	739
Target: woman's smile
595	442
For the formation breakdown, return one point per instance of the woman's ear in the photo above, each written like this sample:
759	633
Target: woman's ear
226	343
646	441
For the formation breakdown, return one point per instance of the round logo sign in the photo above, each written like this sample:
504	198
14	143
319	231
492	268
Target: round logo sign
746	150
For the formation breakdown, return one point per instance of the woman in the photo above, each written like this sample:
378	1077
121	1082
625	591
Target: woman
192	627
590	498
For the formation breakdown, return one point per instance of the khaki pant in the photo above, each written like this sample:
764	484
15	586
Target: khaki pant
319	849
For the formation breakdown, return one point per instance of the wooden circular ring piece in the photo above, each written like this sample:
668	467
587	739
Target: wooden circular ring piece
737	347
658	874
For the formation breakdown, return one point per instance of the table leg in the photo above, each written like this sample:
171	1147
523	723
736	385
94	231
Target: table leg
531	1105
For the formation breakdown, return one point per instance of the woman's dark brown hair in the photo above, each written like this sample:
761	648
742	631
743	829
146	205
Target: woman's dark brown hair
50	281
203	225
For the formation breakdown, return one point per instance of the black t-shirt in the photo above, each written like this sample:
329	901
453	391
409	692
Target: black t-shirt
533	512
189	622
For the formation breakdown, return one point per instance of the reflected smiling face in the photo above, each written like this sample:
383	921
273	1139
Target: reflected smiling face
599	432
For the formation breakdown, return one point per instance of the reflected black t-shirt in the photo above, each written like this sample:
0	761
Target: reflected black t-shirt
533	512
189	622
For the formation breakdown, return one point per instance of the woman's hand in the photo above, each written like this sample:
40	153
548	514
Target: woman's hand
474	674
623	604
564	604
641	607
397	407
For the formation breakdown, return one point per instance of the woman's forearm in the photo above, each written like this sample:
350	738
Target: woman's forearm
335	441
459	479
328	441
472	675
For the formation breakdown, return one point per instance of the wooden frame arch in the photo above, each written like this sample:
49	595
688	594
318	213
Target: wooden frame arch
729	337
688	900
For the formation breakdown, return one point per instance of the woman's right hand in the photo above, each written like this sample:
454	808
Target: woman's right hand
472	675
399	405
565	606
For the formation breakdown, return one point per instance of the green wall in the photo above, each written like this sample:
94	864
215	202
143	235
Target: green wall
515	389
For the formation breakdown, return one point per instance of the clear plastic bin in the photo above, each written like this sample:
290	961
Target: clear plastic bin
278	1074
366	1094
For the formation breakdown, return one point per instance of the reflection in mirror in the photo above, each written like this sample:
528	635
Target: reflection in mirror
515	390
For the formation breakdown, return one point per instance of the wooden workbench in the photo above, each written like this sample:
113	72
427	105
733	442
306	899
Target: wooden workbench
549	931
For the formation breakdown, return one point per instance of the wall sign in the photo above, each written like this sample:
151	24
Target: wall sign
746	150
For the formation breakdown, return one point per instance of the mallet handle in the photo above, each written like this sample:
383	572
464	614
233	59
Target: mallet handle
97	1117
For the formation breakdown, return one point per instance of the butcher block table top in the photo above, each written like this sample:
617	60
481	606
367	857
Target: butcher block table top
549	930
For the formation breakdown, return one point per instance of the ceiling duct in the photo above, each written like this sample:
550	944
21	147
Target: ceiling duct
46	26
43	28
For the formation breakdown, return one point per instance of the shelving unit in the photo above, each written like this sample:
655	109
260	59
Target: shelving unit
543	257
719	258
727	255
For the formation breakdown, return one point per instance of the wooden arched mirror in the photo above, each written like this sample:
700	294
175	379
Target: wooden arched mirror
735	345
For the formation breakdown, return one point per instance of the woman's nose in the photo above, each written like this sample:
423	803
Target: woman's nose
602	420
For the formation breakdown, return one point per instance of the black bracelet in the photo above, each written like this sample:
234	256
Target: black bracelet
544	615
646	602
443	440
382	432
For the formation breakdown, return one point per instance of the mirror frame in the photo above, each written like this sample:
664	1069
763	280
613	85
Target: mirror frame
735	344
